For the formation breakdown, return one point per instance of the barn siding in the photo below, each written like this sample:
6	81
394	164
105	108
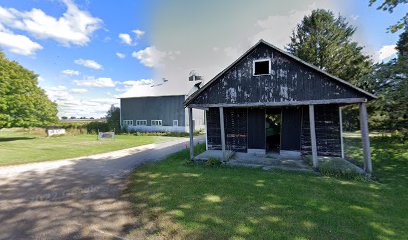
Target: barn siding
289	81
327	127
235	123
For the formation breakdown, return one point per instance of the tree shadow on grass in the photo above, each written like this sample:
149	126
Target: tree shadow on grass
172	200
10	139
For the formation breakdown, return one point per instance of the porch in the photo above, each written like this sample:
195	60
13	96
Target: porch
273	161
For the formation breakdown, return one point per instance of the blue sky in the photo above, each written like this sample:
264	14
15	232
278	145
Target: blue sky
88	53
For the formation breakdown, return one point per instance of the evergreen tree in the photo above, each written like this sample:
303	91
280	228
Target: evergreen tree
22	102
390	82
325	41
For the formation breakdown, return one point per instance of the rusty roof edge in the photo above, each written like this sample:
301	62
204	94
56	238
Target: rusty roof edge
196	93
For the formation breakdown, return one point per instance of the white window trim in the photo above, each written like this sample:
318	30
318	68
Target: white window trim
158	121
126	122
261	60
175	121
138	122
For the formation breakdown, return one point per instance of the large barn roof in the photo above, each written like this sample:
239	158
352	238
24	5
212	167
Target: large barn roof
330	76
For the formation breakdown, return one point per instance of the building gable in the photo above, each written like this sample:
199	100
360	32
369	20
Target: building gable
290	81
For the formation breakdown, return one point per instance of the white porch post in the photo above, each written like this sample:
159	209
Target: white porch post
222	132
191	132
341	132
313	136
368	168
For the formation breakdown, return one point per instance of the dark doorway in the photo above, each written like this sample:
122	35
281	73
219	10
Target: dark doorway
273	129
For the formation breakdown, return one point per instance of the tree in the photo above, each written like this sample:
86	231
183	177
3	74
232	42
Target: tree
113	118
390	82
325	41
389	5
22	102
64	117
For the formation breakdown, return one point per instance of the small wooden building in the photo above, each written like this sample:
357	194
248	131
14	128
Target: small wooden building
268	100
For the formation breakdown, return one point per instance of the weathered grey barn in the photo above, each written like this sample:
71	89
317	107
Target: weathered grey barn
268	100
158	114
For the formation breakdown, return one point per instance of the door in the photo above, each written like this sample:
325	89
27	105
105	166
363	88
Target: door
291	129
256	128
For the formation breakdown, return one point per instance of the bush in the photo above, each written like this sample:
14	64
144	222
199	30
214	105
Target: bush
94	127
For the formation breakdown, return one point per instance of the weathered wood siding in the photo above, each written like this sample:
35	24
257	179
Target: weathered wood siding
235	124
327	124
289	81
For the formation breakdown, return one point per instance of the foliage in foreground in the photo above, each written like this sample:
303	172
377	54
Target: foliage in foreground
22	102
174	200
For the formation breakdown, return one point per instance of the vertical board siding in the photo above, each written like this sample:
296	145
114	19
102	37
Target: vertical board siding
291	127
256	128
289	81
236	129
235	122
327	127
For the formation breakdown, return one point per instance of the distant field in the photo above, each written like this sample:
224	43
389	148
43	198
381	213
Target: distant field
19	146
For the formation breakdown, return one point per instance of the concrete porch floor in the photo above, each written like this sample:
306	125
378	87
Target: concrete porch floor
267	162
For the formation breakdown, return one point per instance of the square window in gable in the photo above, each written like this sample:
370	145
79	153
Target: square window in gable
262	67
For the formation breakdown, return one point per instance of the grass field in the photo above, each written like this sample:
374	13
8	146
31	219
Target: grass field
175	200
19	146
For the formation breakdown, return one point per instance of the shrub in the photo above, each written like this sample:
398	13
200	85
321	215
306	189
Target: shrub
94	127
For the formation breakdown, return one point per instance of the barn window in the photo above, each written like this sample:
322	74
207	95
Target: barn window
156	123
175	123
141	122
262	67
128	122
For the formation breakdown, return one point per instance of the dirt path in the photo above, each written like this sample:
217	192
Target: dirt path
73	199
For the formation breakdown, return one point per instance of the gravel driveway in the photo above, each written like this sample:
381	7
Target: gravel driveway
73	199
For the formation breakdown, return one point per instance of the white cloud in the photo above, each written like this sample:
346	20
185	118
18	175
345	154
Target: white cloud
120	55
125	38
142	82
96	82
88	63
70	72
18	44
386	51
139	33
73	27
78	90
79	105
153	57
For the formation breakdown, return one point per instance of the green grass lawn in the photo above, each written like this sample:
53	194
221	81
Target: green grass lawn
19	146
174	200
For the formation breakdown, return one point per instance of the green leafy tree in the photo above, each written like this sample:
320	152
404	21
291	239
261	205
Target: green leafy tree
389	5
390	82
113	118
324	40
22	102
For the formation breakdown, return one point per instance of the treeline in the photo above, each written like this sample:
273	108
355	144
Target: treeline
325	40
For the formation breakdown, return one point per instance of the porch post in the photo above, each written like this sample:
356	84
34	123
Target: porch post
191	131
222	132
313	136
341	132
368	168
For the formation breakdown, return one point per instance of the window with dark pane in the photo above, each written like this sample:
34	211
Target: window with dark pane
261	67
